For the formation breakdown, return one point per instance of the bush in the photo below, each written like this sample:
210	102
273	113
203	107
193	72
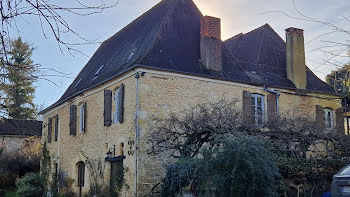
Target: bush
240	166
30	186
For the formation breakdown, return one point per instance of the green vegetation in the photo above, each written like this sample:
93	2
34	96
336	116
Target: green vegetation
11	193
214	151
237	166
30	186
20	76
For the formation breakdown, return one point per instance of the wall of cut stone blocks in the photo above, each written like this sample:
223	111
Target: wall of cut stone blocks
160	93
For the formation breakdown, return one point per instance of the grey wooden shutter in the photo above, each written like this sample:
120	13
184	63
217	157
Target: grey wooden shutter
247	109
73	120
121	104
271	107
320	122
339	117
56	127
49	130
107	113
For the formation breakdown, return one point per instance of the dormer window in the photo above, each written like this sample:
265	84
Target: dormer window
99	70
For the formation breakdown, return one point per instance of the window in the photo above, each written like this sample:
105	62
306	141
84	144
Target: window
81	173
82	117
328	118
49	130
258	108
99	70
347	125
117	100
78	83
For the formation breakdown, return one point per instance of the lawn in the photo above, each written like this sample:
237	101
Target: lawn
11	193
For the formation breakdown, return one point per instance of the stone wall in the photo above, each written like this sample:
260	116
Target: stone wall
97	139
159	94
163	93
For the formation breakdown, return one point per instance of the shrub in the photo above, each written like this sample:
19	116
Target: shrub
240	166
30	186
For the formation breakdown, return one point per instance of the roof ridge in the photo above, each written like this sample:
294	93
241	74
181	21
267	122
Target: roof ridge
261	43
233	57
132	22
166	16
158	32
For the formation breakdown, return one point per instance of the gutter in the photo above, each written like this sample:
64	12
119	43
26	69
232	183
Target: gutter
137	77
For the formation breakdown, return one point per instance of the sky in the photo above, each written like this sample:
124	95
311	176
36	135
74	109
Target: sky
237	16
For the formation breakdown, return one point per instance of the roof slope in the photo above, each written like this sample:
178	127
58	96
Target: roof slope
20	127
262	54
168	37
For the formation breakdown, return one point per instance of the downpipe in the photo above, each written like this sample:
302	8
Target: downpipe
137	77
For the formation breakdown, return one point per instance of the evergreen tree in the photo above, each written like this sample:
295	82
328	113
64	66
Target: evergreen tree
18	87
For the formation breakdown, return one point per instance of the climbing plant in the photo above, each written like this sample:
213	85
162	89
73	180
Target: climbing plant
45	168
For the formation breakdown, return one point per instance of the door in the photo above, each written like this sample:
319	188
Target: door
117	177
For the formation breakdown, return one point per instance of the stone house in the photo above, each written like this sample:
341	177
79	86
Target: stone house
18	139
169	58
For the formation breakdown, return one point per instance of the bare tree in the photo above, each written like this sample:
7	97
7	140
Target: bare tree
53	19
308	153
185	135
332	49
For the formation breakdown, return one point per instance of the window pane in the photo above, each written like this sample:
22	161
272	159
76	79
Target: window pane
259	116
116	104
81	119
253	101
259	101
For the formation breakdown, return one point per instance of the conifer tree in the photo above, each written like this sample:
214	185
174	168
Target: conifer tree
19	78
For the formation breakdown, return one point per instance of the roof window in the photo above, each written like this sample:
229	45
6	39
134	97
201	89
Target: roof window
131	54
99	70
76	85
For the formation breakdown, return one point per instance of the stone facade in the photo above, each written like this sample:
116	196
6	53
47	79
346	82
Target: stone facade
151	94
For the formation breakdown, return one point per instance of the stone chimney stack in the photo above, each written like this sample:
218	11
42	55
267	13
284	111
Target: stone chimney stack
296	67
211	44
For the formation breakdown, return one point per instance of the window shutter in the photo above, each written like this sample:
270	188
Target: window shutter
85	117
73	120
339	117
247	108
320	117
271	107
49	130
121	104
107	113
56	127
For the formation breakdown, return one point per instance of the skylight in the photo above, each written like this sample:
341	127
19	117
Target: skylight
99	70
131	54
76	85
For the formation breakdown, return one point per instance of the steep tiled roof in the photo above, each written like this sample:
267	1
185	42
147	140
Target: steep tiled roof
167	37
20	127
262	55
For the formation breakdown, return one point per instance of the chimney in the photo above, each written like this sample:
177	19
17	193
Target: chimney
296	67
211	44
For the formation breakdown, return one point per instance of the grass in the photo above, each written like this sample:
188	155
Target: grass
11	193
